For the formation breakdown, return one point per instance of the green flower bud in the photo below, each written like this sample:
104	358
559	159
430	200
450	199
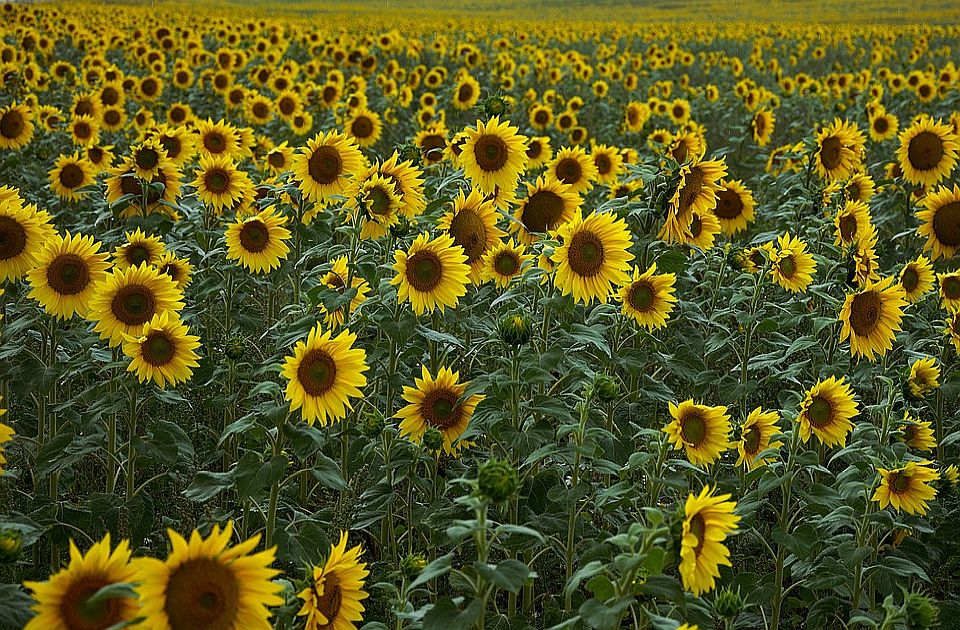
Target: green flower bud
433	439
11	544
496	106
401	228
605	388
498	480
409	152
235	348
728	603
515	330
412	564
373	424
921	611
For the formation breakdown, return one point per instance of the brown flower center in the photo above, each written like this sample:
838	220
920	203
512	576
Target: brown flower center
586	254
898	482
468	232
317	372
67	274
330	602
214	142
642	296
820	412
465	93
13	238
158	349
751	440
951	287
507	264
865	313
910	279
692	185
440	409
541	117
276	159
569	170
424	271
12	124
286	106
603	164
946	224
217	181
134	305
254	236
362	127
542	211
202	593
325	165
491	153
925	150
693	428
698	527
147	159
79	613
830	152
729	205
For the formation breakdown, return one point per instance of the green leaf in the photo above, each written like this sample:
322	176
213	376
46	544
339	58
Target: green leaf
509	575
586	571
15	611
444	615
433	570
663	587
601	587
207	485
120	590
601	616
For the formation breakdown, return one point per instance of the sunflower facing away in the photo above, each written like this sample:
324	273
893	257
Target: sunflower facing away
504	262
62	602
702	431
755	435
595	256
68	270
826	412
332	599
940	222
323	374
21	239
928	151
648	297
494	155
336	279
793	266
696	192
205	583
324	167
431	273
708	520
473	225
164	352
906	488
916	434
378	203
439	404
127	299
924	377
258	242
871	318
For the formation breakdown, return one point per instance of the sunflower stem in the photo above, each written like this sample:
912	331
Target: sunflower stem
275	488
574	482
131	442
784	524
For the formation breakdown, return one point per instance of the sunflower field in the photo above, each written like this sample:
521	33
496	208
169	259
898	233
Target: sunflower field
415	317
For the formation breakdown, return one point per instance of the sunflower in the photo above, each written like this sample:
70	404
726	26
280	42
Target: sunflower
950	290
924	377
928	151
431	273
826	412
334	591
179	269
127	299
916	278
67	272
860	187
63	601
407	179
504	262
439	404
839	147
696	192
379	203
147	158
336	279
472	223
940	221
279	158
324	167
594	256
952	330
702	231
871	318
6	435
364	127
573	167
205	583
648	298
702	431
258	242
608	162
69	174
540	117
549	204
16	126
22	236
217	139
708	519
100	158
219	183
323	374
539	152
864	263
494	155
139	249
123	184
735	206
84	130
883	126
852	223
179	144
762	126
917	435
793	266
164	352
906	488
755	435
432	142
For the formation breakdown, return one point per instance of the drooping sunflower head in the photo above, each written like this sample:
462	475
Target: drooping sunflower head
140	248
333	596
826	412
68	270
916	434
696	191
64	601
871	318
907	488
701	430
379	203
127	299
325	166
179	269
649	297
595	256
708	519
337	279
472	223
431	274
323	374
924	377
494	155
755	437
940	221
928	151
438	403
206	583
258	242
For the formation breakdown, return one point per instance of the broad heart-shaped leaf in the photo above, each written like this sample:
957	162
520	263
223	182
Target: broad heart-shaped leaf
663	587
586	571
207	485
509	575
604	616
14	606
433	570
444	615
